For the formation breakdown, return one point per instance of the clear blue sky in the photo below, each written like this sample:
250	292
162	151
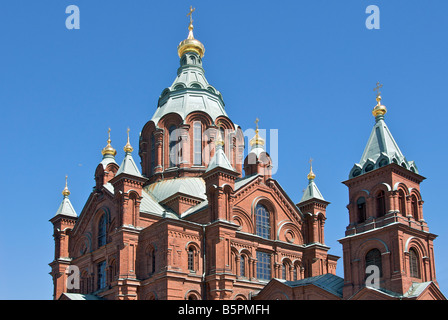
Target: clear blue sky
306	68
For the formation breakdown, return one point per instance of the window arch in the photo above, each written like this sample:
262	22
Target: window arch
262	222
361	209
373	257
102	231
380	203
197	143
414	263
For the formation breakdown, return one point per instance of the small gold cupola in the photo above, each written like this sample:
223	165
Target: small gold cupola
66	192
190	44
256	141
379	109
108	150
128	148
311	175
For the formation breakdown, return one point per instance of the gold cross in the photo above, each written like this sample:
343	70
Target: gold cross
377	89
190	13
311	162
256	122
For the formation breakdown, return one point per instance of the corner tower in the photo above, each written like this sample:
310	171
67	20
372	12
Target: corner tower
386	225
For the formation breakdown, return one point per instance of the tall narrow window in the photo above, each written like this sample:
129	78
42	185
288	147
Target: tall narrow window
380	204
102	233
263	265
294	273
153	154
413	263
197	143
361	204
173	150
262	221
242	266
191	253
402	203
101	280
284	271
373	257
414	206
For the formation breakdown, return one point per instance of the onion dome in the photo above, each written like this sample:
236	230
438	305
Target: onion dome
128	148
65	192
379	110
190	44
108	150
256	141
311	175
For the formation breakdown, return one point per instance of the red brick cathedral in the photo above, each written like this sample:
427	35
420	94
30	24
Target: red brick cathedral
197	220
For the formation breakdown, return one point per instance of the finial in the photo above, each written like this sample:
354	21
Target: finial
219	141
190	26
65	192
108	150
128	148
190	44
379	110
256	141
311	175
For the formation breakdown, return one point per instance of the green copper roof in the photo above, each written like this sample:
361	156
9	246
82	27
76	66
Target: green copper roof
381	149
311	192
128	166
190	92
66	208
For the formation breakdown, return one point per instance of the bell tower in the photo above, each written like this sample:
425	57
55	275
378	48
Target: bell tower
386	224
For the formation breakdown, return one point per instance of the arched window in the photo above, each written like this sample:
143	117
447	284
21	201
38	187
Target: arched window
414	263
373	257
402	202
153	154
414	206
243	266
294	272
284	271
191	258
380	204
197	143
361	207
172	146
262	222
102	231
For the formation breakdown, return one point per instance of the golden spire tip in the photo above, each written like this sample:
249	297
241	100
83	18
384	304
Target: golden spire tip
66	192
311	175
128	147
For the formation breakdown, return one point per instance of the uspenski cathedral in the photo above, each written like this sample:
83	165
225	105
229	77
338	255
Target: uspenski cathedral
199	221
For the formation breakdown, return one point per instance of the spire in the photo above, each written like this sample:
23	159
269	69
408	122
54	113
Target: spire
381	148
311	191
128	165
66	208
190	44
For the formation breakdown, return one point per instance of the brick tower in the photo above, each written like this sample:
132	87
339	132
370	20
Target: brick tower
386	226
